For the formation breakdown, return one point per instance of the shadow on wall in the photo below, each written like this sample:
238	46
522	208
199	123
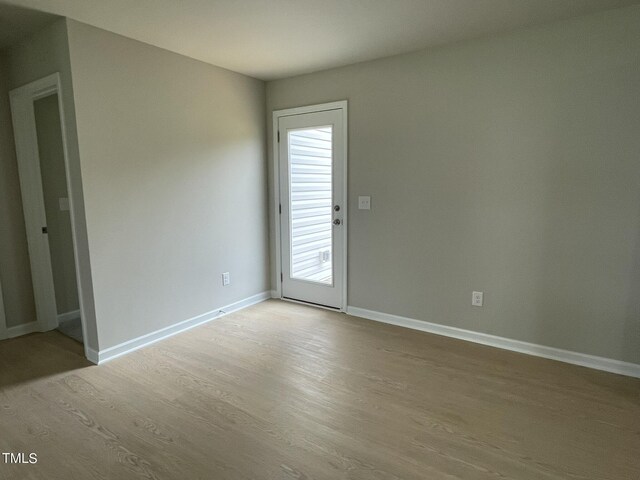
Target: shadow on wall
14	257
586	237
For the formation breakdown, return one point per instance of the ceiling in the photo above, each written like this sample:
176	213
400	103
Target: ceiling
271	39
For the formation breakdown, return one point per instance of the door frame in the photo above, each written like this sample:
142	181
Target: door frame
341	105
28	158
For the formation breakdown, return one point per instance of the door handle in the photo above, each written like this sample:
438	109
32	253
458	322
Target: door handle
337	221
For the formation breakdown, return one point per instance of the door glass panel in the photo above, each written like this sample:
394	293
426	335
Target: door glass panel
311	232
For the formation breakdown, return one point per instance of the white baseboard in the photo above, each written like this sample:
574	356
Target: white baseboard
129	346
567	356
72	315
23	329
31	327
91	354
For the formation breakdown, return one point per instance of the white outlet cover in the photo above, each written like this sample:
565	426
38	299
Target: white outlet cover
477	299
226	280
364	203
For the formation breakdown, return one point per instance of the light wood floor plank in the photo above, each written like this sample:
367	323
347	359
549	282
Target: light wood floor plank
281	391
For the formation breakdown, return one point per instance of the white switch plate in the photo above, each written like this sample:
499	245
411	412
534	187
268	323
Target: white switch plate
364	203
64	204
226	279
476	299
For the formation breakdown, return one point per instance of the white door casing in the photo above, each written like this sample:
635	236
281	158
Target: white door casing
26	140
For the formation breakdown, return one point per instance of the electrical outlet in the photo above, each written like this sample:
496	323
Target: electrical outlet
226	279
477	298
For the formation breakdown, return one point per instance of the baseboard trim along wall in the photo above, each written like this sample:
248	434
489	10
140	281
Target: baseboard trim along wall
91	354
567	356
110	353
23	329
72	315
31	327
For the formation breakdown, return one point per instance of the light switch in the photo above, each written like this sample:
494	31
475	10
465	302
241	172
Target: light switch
364	203
64	204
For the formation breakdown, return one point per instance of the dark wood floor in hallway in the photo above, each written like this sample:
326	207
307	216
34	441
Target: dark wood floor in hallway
281	391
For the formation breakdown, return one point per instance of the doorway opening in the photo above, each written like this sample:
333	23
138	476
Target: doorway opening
43	167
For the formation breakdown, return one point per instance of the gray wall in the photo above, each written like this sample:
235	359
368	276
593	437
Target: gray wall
174	175
54	186
15	273
509	165
42	54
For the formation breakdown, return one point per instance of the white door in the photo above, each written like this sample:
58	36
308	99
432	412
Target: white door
312	167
